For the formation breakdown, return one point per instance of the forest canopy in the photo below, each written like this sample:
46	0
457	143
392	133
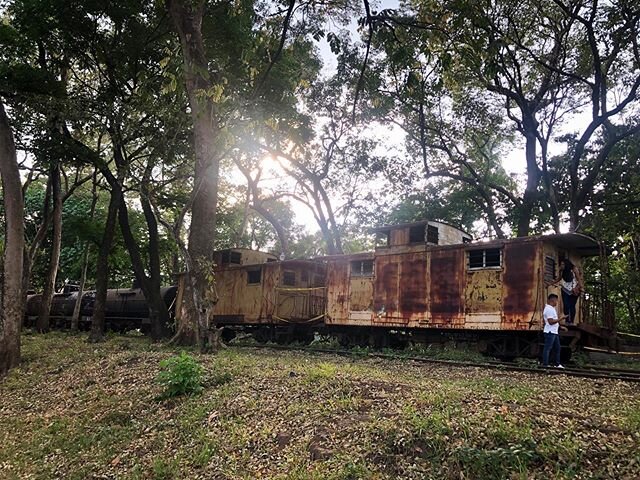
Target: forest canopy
149	134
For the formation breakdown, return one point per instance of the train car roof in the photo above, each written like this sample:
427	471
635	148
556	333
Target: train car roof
583	244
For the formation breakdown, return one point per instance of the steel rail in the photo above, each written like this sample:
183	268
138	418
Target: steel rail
589	372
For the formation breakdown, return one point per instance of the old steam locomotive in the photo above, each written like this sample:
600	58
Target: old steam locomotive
126	308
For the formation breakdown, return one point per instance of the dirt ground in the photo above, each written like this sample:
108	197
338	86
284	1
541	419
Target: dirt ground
76	410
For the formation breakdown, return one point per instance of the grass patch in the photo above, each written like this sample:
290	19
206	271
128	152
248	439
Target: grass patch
77	410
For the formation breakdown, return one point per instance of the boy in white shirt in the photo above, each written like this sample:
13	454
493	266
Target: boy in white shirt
551	336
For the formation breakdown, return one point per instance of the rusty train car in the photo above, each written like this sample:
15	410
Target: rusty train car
425	282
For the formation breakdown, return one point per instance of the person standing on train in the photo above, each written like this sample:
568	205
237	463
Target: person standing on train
551	335
571	286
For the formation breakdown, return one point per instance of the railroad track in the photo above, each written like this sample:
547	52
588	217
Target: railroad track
626	375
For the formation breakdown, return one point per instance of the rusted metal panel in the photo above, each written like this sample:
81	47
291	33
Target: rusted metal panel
521	285
399	237
271	274
385	296
446	277
413	286
298	300
338	291
483	293
361	294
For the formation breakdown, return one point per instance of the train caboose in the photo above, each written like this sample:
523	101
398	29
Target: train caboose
424	282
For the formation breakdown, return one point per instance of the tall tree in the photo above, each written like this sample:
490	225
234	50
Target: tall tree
11	301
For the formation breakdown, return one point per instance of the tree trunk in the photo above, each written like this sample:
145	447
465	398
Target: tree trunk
75	317
277	226
158	313
11	299
533	178
102	269
187	19
31	251
42	324
159	328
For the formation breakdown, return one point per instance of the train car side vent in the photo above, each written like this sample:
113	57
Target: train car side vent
549	269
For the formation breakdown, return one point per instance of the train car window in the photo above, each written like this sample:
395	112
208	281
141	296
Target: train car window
254	276
289	278
416	234
362	268
487	258
549	269
304	276
492	257
433	235
227	257
383	239
318	281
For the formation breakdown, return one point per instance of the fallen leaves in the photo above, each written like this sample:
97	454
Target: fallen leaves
317	415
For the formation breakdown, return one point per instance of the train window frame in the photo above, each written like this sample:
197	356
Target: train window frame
360	270
433	234
289	278
230	257
416	230
484	265
251	276
383	239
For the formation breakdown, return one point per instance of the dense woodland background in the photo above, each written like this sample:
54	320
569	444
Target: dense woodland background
150	133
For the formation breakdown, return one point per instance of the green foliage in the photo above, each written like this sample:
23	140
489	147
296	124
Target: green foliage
180	375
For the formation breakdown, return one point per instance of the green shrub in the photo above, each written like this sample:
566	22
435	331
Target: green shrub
180	375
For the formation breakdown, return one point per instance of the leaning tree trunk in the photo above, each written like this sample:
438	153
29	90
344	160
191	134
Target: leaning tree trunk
187	19
11	301
102	269
42	324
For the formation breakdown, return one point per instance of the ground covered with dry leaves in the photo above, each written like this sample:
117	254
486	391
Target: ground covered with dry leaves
76	410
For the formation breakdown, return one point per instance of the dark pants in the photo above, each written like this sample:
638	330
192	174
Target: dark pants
551	341
569	306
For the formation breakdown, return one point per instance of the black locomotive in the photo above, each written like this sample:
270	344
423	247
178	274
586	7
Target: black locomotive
126	308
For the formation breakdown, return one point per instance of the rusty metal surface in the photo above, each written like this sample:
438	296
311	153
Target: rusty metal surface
521	279
483	293
413	286
361	293
446	276
338	290
385	296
